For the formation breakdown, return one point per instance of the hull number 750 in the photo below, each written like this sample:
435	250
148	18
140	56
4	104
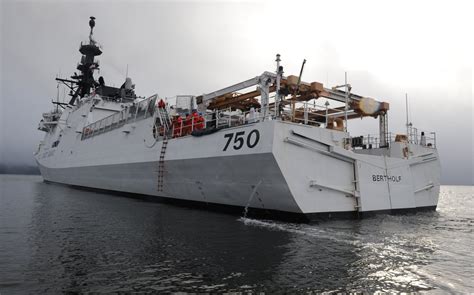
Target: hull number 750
239	139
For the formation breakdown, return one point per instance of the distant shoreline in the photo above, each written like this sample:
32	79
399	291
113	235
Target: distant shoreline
14	169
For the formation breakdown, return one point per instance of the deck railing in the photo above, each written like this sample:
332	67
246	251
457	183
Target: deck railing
220	119
227	118
140	111
372	141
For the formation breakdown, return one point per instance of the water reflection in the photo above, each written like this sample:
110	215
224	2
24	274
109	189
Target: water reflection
346	256
60	239
94	242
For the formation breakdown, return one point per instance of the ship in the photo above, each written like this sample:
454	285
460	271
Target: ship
272	144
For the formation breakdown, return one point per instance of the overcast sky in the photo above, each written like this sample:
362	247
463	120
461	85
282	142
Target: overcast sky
387	48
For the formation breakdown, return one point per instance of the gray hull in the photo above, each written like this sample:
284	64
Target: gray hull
227	180
292	168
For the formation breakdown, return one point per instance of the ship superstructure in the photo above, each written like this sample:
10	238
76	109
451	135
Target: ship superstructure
266	143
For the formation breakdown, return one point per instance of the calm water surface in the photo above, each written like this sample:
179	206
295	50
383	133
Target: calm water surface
58	239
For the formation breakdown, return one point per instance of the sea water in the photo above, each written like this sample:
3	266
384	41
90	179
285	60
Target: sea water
55	238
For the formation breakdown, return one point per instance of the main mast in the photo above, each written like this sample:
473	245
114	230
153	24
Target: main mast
81	84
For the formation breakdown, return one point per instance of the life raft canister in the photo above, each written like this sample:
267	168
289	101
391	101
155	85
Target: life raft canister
194	121
200	122
177	126
187	124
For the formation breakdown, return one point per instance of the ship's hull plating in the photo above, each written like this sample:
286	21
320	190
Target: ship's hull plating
289	168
